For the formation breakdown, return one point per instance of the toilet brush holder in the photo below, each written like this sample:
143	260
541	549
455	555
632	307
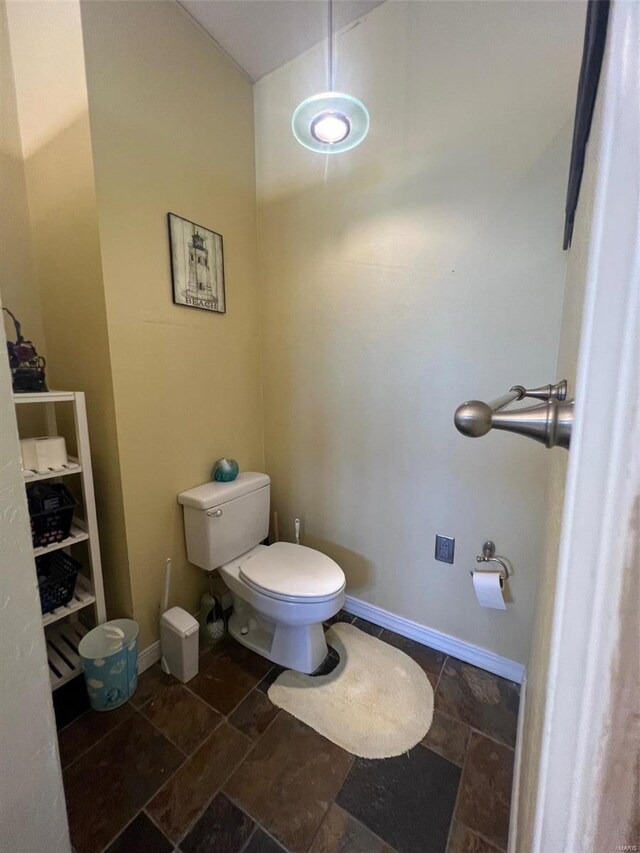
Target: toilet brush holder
211	618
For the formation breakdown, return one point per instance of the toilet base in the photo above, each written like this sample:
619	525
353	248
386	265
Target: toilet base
299	647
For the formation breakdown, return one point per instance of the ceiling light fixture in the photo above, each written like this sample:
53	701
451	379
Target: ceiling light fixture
330	122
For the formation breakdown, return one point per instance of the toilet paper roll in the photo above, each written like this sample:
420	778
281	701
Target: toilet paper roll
44	454
488	587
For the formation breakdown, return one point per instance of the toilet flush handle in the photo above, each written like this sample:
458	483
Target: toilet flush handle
214	513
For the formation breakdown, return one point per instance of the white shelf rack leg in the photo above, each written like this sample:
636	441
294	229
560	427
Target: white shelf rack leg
51	420
88	494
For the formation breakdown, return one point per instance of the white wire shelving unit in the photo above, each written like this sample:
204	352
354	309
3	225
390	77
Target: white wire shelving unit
63	627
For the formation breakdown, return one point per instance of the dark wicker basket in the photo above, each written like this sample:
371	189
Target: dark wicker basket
51	508
57	573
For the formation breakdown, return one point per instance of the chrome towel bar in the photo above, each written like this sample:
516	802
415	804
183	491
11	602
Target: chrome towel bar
549	422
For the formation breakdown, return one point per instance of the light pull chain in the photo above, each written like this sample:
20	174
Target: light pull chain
330	122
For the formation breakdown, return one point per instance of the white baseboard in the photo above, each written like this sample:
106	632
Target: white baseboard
148	657
467	652
517	764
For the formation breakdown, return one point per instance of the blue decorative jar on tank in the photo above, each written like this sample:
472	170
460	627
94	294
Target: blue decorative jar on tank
225	470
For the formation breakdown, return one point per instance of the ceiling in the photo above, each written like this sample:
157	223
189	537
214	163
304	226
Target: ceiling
261	35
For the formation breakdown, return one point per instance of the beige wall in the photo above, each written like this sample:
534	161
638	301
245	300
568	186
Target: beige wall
114	136
19	288
172	130
32	809
419	270
48	61
400	279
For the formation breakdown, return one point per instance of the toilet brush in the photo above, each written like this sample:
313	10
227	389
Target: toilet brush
164	606
167	581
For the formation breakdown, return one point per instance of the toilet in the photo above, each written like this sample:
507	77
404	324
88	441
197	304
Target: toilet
282	593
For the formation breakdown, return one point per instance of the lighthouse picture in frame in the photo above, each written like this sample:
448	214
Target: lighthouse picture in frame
197	265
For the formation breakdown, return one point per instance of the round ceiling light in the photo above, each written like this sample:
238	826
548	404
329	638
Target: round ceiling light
330	122
330	126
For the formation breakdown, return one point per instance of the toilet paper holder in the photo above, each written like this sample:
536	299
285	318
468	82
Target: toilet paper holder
489	556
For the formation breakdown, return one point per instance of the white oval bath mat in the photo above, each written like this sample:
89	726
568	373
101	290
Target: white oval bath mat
377	702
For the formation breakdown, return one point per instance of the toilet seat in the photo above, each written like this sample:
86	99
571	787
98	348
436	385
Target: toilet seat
292	573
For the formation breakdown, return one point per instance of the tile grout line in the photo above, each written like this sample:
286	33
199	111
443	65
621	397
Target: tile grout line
75	720
491	842
128	824
484	838
258	826
226	778
208	802
455	805
333	801
472	730
142	808
475	730
480	835
248	813
223	718
235	707
159	828
472	727
495	740
246	696
460	720
444	662
171	741
96	742
363	825
253	745
186	686
439	754
251	834
138	710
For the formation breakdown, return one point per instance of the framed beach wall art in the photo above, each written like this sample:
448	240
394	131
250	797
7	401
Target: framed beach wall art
197	265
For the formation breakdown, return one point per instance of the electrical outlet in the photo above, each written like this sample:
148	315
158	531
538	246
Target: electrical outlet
445	546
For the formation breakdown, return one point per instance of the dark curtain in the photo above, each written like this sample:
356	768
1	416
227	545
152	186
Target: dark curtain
595	37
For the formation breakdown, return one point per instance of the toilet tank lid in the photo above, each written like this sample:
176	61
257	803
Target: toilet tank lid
214	493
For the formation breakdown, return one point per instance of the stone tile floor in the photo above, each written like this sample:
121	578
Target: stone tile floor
214	766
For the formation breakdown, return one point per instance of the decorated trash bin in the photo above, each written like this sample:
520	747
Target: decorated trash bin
110	661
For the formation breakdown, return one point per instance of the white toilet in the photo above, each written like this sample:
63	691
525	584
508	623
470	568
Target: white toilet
281	593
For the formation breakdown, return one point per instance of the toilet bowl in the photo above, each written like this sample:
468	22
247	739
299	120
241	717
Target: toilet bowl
281	596
281	593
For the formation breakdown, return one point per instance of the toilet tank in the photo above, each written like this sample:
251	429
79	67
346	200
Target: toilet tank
224	520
